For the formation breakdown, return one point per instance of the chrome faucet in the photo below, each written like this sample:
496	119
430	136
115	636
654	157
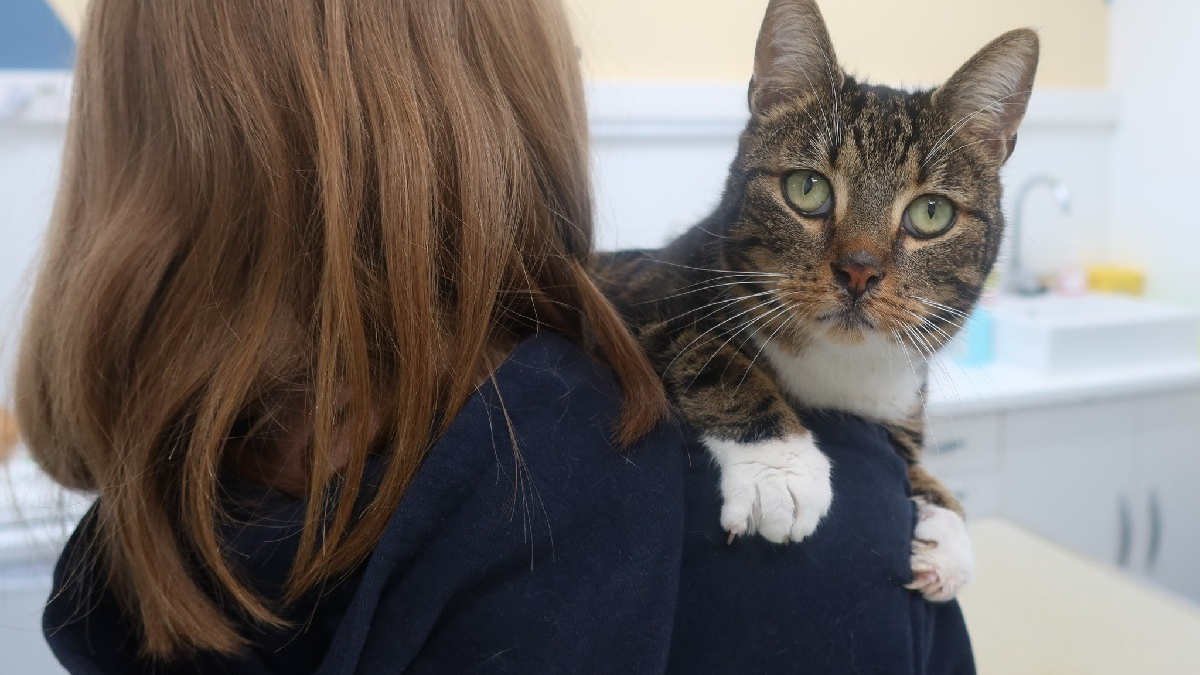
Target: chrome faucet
1020	280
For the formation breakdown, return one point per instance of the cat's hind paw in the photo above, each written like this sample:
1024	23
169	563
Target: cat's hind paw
942	561
778	489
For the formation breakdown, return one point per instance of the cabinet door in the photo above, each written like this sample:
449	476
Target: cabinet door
1067	474
1169	472
964	452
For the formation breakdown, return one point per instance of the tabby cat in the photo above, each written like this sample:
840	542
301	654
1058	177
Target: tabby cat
856	230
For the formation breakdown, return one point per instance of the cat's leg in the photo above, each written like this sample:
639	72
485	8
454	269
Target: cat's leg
775	482
942	560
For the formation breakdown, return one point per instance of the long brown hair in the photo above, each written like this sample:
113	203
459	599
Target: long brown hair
344	202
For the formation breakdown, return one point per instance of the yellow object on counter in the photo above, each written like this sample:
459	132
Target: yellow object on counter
1126	280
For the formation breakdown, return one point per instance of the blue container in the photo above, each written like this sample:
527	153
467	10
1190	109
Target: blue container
978	339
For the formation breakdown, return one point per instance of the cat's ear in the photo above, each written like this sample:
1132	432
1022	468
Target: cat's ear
989	94
794	57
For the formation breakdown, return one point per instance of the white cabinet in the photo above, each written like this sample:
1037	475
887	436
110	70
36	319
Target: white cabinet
964	451
35	519
1167	495
24	649
1116	477
1066	474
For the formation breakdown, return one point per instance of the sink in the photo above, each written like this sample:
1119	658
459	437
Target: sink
1060	335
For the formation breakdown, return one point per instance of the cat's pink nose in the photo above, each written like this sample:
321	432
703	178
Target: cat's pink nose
858	273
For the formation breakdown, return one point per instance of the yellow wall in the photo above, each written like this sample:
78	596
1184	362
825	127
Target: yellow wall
71	11
888	41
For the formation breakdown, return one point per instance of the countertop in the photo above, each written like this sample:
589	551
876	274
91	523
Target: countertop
955	389
1035	608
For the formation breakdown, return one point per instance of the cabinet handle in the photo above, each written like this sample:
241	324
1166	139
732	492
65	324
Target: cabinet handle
1155	530
949	446
1126	535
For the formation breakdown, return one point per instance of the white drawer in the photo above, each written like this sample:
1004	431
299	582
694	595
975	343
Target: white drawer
962	444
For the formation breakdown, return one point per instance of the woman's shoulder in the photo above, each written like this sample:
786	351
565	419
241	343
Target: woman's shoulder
549	409
527	509
540	435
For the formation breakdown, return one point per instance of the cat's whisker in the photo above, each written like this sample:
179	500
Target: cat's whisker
954	128
932	326
710	330
918	373
719	305
720	277
716	304
905	351
929	340
789	318
916	343
785	309
705	269
935	343
926	322
946	308
958	126
773	313
747	277
939	305
733	333
706	288
782	306
923	345
945	320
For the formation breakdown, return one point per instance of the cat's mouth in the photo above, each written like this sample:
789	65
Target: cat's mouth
851	318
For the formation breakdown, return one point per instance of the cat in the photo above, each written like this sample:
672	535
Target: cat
856	231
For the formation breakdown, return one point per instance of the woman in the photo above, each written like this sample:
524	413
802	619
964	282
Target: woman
315	325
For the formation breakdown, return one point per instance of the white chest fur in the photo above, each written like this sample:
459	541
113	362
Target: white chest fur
874	378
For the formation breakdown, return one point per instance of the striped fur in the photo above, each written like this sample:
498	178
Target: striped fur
733	306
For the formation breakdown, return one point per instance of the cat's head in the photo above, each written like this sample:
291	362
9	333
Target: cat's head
880	207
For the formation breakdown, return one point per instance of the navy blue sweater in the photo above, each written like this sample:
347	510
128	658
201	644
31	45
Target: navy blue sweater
572	557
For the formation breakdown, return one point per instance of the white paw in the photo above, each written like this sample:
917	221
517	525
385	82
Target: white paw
942	561
779	489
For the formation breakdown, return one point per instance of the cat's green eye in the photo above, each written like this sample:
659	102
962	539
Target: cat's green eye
808	192
929	216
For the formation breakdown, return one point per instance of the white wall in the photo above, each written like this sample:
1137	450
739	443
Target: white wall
33	107
1156	155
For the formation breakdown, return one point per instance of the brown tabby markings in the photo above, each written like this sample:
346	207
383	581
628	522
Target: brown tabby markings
757	271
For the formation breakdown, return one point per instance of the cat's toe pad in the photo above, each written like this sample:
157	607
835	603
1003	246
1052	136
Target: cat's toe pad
778	489
942	562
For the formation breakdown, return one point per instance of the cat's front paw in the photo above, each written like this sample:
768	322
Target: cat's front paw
778	489
942	561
